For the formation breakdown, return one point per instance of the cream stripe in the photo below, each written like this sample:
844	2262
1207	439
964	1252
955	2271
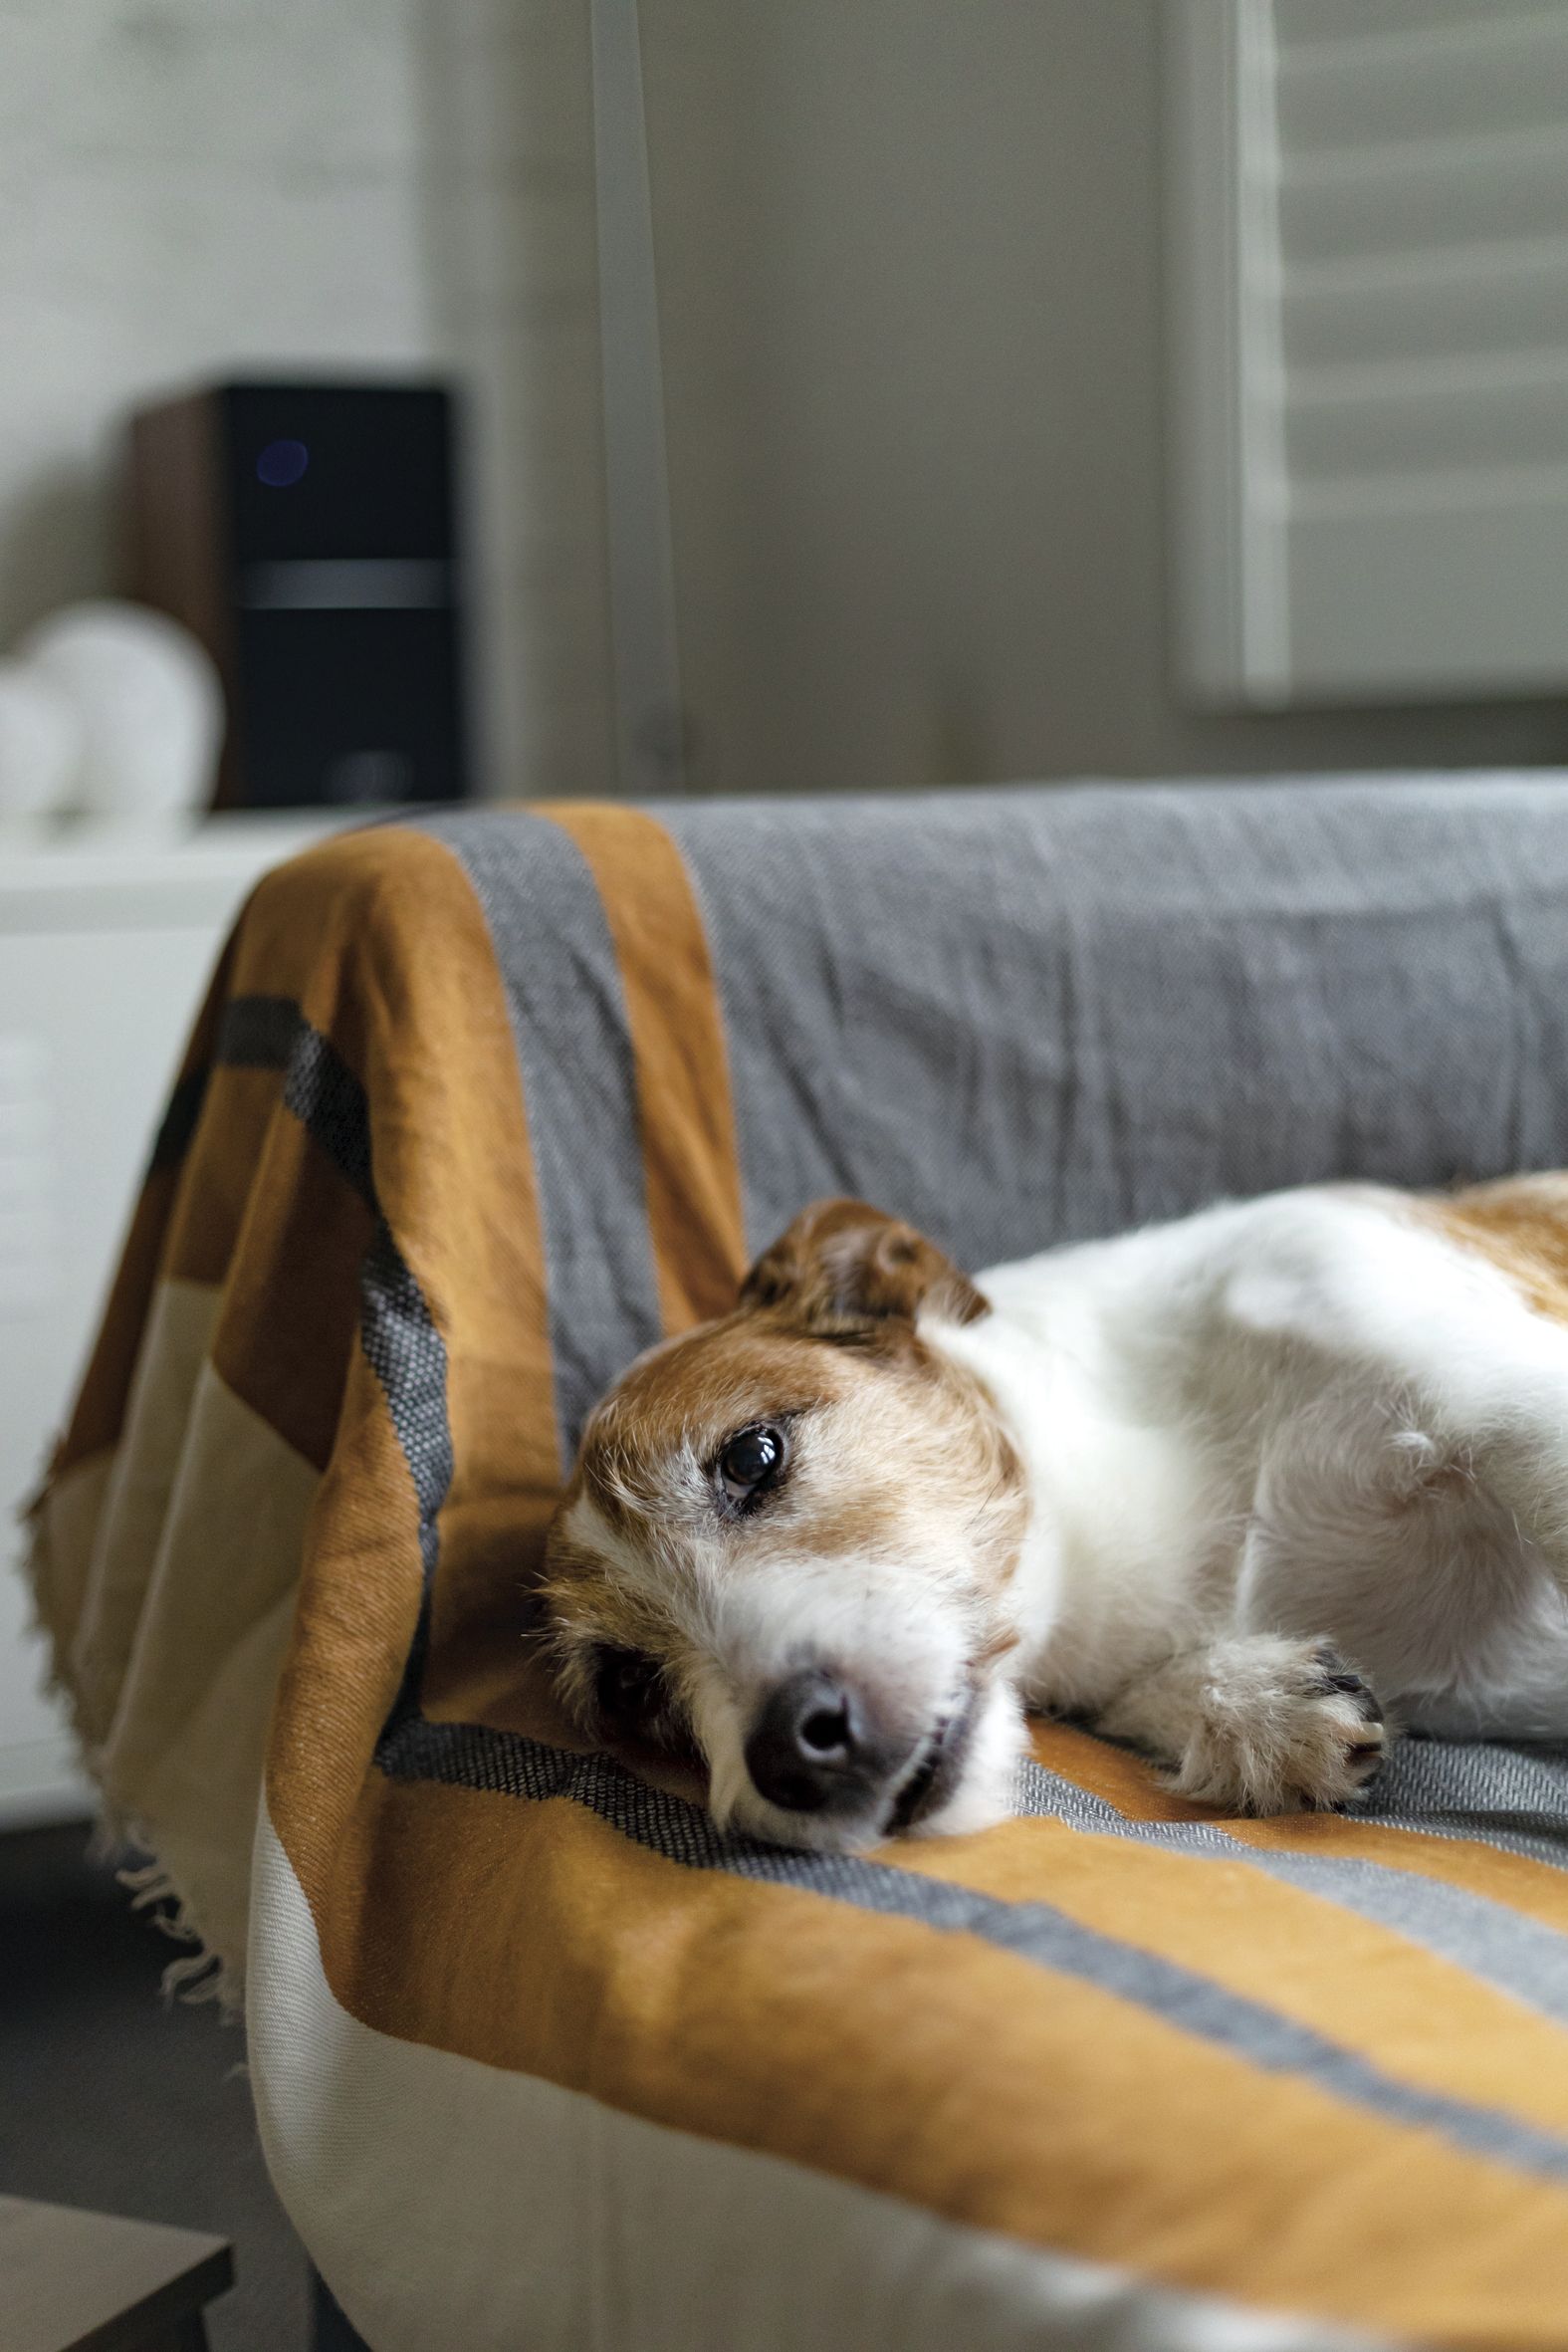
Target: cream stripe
184	1755
227	1550
175	1343
65	1532
197	1800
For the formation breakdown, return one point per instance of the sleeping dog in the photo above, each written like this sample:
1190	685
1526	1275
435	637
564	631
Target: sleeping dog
1243	1490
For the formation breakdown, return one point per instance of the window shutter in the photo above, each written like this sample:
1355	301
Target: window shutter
1369	313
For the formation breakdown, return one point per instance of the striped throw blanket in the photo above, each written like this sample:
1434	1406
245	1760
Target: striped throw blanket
479	1105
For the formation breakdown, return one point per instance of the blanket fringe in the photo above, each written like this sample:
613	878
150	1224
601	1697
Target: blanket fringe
199	1974
194	1977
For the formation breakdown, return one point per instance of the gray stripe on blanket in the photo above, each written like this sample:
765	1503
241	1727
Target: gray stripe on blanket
472	1756
1032	1017
569	1022
1512	1953
1513	1798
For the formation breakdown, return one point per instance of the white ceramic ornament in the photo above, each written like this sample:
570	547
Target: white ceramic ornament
41	752
147	700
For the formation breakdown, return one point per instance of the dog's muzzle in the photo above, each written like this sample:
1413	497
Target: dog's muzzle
815	1748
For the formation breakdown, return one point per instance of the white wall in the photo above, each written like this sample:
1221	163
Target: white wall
910	262
911	287
190	187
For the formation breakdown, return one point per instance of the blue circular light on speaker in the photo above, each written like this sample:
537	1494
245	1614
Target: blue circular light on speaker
281	463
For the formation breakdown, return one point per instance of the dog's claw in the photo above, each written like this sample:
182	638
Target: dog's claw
1334	1675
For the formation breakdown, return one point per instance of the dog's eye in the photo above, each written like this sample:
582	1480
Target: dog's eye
626	1685
752	1462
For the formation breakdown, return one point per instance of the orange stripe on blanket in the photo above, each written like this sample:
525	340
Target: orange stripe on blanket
534	1936
289	1324
690	1167
1367	1987
1128	1782
216	1179
358	1609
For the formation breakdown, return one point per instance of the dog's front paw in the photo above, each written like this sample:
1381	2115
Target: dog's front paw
1282	1727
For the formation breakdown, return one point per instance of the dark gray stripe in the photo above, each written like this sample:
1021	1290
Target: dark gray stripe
1517	1954
330	1102
259	1032
473	1757
408	1356
568	1021
254	1032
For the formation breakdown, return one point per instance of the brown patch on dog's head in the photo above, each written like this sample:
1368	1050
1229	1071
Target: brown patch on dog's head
844	1269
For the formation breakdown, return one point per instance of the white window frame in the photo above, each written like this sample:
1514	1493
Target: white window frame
1231	579
1465	594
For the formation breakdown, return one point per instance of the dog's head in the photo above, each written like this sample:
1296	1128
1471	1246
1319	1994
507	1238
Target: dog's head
789	1542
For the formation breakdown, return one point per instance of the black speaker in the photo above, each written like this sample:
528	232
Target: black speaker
307	533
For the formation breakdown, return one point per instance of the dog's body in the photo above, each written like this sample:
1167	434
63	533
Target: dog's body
1227	1488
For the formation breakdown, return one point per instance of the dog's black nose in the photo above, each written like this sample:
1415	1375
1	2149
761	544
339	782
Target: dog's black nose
810	1747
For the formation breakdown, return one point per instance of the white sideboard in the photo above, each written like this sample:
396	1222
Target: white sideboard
107	943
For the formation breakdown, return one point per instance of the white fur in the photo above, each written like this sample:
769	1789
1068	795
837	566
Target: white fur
1301	1417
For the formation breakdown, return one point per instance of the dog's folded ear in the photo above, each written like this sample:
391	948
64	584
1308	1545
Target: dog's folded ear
843	1269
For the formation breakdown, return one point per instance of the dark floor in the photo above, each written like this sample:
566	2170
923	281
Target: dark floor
114	2099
